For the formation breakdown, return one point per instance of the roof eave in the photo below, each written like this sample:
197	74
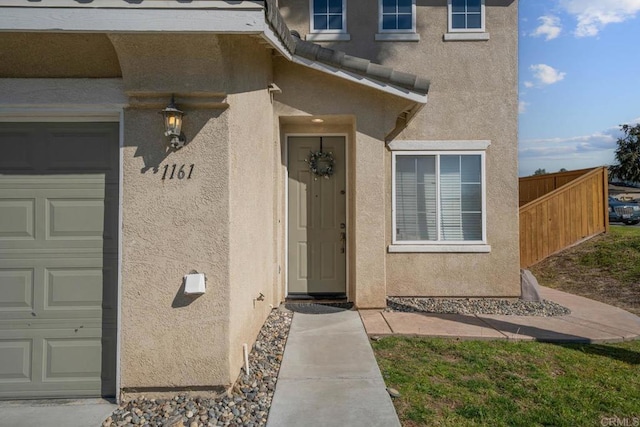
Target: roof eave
361	80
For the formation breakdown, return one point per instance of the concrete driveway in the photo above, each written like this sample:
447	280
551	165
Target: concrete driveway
55	413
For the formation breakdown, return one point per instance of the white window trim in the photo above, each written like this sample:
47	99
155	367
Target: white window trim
466	37
328	37
312	29
382	31
435	148
466	30
440	145
397	37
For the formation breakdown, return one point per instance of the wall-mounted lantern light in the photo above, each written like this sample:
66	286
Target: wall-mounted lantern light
173	125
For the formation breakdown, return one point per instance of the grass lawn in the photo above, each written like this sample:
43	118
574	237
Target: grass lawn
498	383
605	268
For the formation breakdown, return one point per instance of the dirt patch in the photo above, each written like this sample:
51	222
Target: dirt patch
569	272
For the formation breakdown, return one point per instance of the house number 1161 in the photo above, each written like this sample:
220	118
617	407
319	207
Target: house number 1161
181	173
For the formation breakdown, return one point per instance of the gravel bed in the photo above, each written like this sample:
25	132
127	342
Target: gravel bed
477	306
247	404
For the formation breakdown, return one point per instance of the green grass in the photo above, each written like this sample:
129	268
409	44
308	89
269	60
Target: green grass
498	383
618	255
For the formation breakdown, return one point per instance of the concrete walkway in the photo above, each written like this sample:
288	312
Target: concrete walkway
589	322
55	413
329	376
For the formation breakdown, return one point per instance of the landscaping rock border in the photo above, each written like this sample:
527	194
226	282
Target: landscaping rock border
472	306
246	404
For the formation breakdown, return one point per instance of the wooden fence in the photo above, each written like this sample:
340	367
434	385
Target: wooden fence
569	207
534	187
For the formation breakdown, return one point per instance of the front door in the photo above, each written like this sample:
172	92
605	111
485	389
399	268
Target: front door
317	218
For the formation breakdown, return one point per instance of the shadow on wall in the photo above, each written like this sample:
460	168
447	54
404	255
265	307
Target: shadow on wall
147	135
181	300
362	25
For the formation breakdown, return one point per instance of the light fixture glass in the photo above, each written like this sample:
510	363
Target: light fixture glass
173	124
317	120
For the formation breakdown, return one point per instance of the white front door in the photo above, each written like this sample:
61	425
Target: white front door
317	219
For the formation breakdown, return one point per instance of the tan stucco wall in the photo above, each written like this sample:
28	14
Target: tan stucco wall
473	96
253	192
373	114
169	228
209	223
30	55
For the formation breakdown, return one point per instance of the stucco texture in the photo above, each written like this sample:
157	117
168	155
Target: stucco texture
218	222
171	227
31	55
373	115
252	198
473	96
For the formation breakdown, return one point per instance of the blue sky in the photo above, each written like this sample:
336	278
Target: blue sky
579	80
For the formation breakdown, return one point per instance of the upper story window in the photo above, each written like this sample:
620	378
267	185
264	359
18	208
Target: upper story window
397	16
466	15
328	21
397	21
328	16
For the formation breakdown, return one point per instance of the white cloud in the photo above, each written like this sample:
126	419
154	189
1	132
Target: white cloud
528	84
569	153
549	27
522	107
572	153
594	15
546	75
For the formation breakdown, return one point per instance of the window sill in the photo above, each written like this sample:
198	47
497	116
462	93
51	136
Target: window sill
397	37
328	37
440	248
452	37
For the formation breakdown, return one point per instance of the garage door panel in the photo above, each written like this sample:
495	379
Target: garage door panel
59	218
73	289
17	219
69	359
75	219
48	363
58	259
58	288
16	361
16	289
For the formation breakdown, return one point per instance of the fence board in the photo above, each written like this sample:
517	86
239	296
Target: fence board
568	207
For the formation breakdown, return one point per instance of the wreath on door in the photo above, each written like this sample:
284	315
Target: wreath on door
321	163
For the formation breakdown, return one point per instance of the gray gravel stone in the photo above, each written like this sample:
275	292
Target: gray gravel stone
512	307
246	404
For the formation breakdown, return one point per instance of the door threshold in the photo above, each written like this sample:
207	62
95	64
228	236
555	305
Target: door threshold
317	298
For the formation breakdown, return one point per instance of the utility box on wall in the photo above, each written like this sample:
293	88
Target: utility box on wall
194	284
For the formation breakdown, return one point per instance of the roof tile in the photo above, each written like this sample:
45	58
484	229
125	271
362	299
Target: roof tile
339	59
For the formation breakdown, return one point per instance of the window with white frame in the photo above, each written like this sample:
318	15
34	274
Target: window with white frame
397	16
466	15
328	16
439	200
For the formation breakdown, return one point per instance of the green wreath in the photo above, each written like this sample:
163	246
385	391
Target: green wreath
321	163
